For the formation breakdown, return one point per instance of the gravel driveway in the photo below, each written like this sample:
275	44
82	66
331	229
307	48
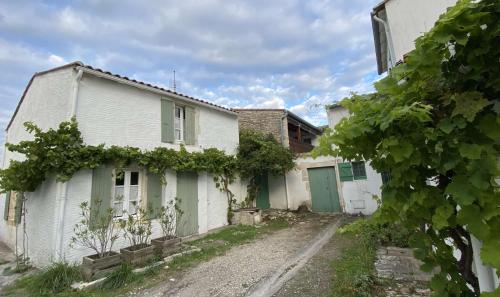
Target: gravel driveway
234	273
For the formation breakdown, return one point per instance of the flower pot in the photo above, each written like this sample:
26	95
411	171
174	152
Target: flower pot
165	246
94	267
137	255
246	216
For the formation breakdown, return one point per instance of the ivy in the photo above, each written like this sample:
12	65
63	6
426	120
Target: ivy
434	124
258	155
61	152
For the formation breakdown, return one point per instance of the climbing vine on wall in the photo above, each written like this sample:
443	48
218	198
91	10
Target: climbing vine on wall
434	124
61	152
258	155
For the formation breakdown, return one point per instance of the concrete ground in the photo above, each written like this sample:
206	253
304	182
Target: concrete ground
7	262
244	270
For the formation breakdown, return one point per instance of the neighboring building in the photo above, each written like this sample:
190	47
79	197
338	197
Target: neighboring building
114	110
359	184
324	184
397	23
289	129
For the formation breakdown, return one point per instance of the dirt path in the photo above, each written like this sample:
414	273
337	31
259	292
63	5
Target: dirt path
314	279
235	273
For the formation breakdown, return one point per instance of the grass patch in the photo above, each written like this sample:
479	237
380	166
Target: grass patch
353	272
119	277
50	282
123	280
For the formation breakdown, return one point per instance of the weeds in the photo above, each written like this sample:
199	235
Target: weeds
52	280
119	277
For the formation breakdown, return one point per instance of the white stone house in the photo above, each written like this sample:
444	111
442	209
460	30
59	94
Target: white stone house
113	110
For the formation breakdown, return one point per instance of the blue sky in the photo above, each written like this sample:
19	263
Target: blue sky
261	54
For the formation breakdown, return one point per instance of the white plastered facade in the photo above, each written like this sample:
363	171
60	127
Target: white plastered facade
113	113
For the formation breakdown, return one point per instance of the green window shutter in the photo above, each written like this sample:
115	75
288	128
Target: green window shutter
100	199
7	204
154	189
19	207
167	121
345	172
189	125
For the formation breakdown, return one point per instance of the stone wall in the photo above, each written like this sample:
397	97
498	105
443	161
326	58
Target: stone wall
266	121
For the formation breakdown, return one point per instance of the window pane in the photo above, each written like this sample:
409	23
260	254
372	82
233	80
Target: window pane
178	112
177	123
120	178
358	169
118	208
132	209
119	190
178	134
134	192
134	178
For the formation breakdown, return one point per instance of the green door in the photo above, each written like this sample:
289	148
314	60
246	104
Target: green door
324	193
187	193
263	194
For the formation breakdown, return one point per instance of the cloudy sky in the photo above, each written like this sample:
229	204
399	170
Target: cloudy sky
263	54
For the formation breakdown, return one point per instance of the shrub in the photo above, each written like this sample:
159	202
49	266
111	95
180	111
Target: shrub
119	277
95	230
137	228
56	278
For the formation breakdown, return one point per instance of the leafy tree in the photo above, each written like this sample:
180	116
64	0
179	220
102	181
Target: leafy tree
260	154
434	124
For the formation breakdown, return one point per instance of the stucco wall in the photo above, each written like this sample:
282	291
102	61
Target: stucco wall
335	115
117	114
212	210
277	192
360	196
410	19
47	103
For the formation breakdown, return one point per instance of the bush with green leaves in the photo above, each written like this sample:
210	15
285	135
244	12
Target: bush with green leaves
168	216
434	124
95	231
136	228
258	155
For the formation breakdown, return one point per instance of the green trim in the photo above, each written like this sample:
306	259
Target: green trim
167	121
189	125
345	172
19	207
7	204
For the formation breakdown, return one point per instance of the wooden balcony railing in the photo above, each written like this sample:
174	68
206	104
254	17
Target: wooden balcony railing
300	147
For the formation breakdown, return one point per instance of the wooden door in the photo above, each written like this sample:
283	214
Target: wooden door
324	193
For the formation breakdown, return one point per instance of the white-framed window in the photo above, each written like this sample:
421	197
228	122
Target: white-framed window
179	117
126	192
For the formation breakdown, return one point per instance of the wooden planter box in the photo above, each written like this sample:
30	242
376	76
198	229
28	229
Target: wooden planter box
137	255
94	267
166	246
246	216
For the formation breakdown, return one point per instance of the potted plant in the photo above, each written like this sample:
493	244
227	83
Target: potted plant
97	232
137	230
168	216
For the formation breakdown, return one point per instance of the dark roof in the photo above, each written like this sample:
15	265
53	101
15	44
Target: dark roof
80	64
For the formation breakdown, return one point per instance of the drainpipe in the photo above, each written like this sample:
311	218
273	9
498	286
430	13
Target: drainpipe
388	36
285	115
63	188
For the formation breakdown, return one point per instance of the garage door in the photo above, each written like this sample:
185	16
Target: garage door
324	192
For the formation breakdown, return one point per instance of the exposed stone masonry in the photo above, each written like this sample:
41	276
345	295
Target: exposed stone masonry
266	121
